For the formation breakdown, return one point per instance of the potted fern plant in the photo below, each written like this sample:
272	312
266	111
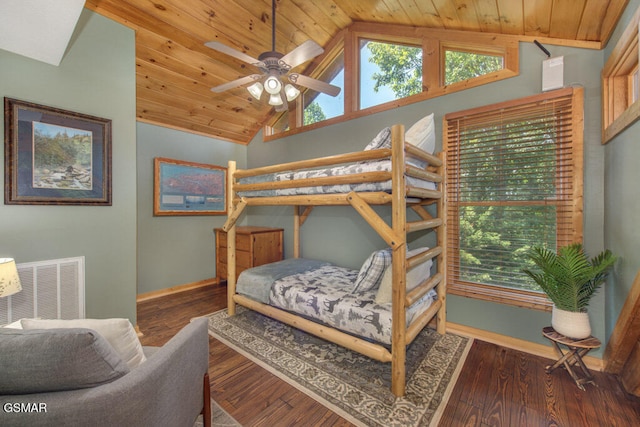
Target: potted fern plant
570	279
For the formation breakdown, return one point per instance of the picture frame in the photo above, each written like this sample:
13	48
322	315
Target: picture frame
188	188
55	157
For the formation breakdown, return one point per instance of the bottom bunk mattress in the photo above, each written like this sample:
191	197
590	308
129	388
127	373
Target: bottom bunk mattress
323	292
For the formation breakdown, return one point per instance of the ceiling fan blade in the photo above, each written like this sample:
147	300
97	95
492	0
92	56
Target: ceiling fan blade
302	53
235	53
235	83
314	84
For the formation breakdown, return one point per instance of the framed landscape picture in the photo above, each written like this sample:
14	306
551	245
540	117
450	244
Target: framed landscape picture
55	157
187	188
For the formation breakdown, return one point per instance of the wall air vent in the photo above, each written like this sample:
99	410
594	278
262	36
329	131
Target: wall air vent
51	289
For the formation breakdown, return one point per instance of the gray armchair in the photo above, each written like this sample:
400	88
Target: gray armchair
170	389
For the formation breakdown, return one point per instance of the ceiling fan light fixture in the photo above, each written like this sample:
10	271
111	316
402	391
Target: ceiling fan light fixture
291	91
275	70
256	90
275	99
272	85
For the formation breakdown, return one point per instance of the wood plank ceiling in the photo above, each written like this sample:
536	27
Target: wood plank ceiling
175	71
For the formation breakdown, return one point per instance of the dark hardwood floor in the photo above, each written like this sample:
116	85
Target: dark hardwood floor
497	386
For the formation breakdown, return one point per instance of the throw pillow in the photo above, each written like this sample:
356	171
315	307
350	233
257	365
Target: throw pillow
422	134
381	140
118	332
38	361
372	270
14	325
415	276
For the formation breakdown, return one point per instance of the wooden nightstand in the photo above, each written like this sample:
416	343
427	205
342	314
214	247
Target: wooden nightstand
254	246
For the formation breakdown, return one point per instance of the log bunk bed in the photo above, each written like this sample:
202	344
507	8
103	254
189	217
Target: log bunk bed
245	189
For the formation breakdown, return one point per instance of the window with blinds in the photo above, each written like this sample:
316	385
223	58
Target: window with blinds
514	181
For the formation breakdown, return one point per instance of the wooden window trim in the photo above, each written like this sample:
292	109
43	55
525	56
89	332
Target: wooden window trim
619	110
430	40
511	296
376	38
502	51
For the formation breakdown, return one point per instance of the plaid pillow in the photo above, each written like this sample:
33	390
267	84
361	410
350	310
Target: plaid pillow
381	140
371	272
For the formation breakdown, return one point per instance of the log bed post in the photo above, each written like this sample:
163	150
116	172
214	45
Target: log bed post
231	242
399	264
441	324
296	231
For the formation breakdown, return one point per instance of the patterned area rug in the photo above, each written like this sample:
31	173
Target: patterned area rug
219	417
352	385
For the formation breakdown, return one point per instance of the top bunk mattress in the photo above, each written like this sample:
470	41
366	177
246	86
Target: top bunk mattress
420	135
348	169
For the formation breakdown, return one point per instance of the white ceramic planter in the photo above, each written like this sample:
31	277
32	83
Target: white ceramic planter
570	324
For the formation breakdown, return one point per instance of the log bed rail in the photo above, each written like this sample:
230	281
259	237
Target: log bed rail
395	235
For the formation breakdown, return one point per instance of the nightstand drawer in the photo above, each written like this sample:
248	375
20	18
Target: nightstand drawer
243	258
254	246
243	241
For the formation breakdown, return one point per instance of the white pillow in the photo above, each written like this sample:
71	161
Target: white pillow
414	277
422	134
372	270
118	332
14	325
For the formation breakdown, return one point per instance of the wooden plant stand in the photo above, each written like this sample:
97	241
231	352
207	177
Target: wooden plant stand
576	349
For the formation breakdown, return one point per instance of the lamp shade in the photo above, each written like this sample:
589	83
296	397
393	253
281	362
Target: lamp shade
272	85
291	91
9	279
275	99
255	90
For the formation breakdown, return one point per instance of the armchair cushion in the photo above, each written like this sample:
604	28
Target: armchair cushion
118	332
166	390
37	361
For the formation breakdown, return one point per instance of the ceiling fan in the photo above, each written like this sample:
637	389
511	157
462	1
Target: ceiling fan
275	77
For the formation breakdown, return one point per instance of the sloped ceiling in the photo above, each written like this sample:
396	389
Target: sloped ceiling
39	30
175	71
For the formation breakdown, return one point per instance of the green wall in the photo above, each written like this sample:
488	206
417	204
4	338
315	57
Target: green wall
96	77
176	250
622	201
340	235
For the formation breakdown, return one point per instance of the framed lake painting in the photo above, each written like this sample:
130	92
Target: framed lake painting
55	157
187	188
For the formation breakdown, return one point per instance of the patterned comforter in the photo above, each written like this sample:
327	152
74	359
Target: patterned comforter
324	294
